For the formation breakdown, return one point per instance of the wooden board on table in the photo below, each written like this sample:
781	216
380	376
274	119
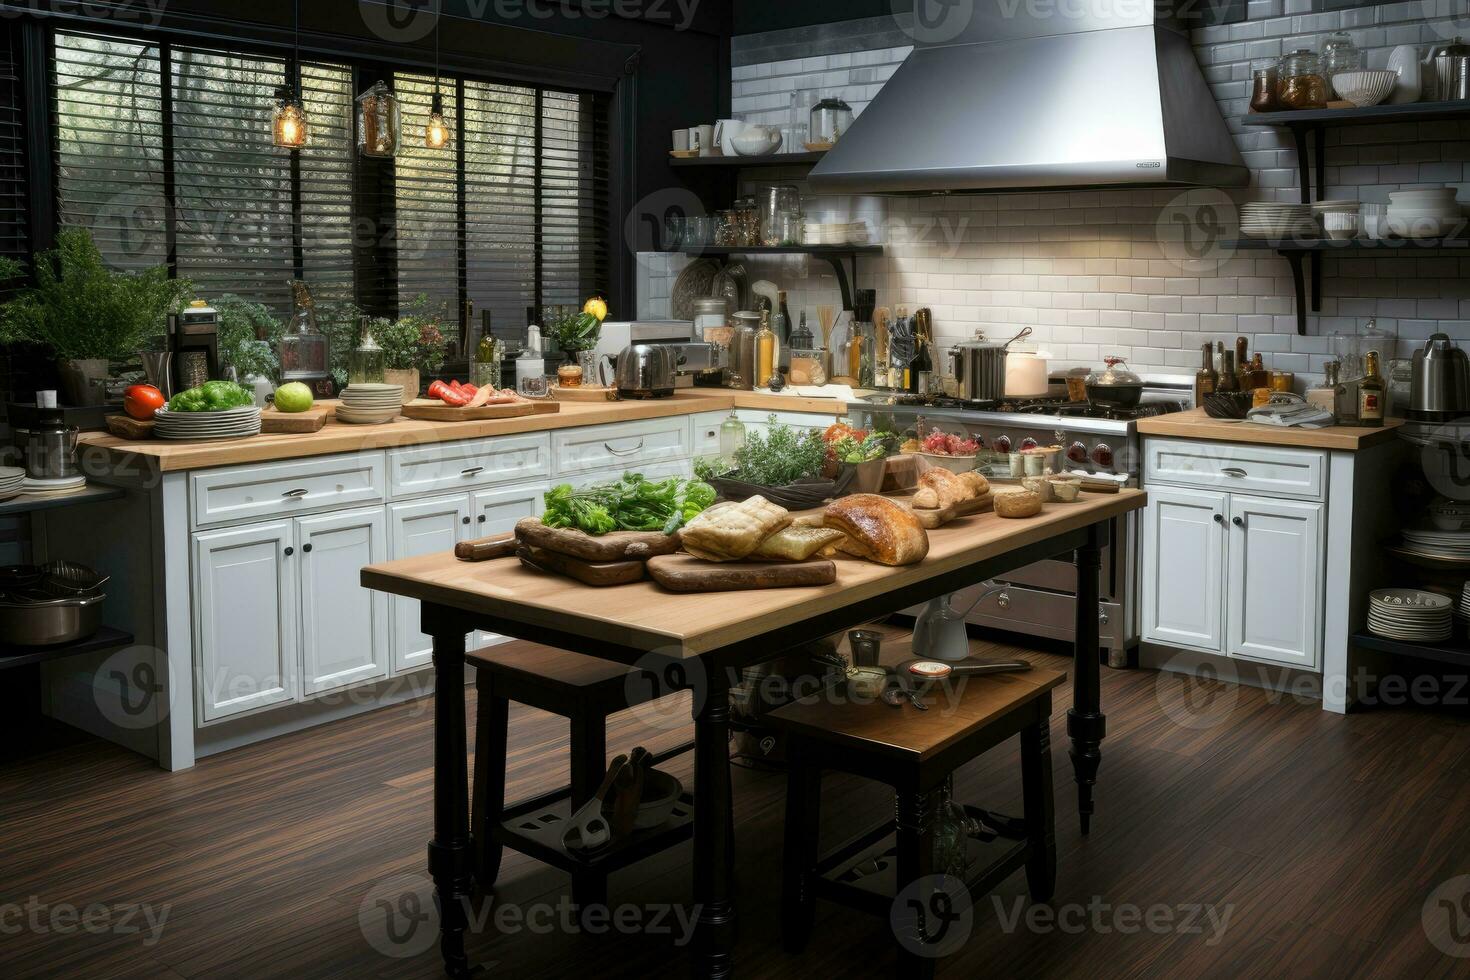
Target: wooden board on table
585	393
599	575
433	410
310	420
127	427
936	518
616	546
686	573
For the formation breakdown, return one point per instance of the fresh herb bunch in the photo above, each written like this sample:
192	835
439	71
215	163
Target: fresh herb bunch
249	336
415	340
82	309
633	503
850	450
212	396
574	331
781	456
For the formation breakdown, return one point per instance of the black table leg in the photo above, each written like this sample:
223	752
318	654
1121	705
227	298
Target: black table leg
450	850
714	853
1086	724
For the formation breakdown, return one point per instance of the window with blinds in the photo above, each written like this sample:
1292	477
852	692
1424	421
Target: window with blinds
14	227
164	152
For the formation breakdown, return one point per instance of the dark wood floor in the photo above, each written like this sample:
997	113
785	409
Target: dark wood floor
1322	837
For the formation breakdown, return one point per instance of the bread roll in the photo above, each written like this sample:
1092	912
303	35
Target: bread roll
976	483
879	529
927	498
1016	503
950	488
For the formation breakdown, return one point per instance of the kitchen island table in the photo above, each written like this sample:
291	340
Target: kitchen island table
700	643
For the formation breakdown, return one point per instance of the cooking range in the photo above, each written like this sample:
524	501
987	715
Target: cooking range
1097	439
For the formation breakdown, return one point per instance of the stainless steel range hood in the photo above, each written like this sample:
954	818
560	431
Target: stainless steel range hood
1041	94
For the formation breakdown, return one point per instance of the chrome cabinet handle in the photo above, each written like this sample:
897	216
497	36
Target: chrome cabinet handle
625	452
296	494
472	471
1235	471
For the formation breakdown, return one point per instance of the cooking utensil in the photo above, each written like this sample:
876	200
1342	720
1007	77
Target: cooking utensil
1115	386
1440	388
50	622
979	368
588	830
645	371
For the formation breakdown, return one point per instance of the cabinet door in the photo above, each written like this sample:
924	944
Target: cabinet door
343	625
1183	568
496	512
245	620
1275	585
421	527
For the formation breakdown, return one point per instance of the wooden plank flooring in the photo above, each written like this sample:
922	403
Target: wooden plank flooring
1321	838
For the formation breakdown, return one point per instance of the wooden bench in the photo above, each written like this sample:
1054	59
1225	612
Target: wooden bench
585	691
915	752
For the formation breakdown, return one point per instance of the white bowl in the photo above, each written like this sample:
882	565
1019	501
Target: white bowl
1364	88
1340	225
756	141
1343	206
1410	227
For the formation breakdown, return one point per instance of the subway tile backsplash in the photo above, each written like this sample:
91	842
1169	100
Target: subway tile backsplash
1091	271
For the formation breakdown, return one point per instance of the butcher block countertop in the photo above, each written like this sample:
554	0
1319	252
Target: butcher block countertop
1195	424
643	616
339	437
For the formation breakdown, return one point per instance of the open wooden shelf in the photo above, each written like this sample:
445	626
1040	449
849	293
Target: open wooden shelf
105	638
27	502
835	255
1413	112
1452	651
803	159
1349	245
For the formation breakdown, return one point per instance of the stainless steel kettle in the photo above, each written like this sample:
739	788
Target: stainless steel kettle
645	371
1440	386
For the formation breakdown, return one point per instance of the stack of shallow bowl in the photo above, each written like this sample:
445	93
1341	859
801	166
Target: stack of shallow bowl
370	404
1364	88
12	481
1267	219
232	423
52	486
1411	615
1339	218
1430	213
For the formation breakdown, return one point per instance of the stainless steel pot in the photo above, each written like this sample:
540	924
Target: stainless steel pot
979	369
51	453
645	371
1439	388
36	624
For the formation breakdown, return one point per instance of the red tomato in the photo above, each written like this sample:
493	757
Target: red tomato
141	401
455	397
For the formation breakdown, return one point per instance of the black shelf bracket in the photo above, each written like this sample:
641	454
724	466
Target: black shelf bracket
1311	159
1298	259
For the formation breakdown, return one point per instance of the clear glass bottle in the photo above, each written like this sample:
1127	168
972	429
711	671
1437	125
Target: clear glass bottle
303	349
367	364
732	437
1371	393
489	360
767	352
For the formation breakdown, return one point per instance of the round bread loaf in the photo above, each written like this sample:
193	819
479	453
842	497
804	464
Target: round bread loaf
1017	503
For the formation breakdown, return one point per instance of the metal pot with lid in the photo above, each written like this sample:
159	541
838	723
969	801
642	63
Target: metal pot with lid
980	366
1440	386
1115	386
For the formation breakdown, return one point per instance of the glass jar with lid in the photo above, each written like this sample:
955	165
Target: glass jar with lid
830	120
1301	85
1339	54
1266	80
379	122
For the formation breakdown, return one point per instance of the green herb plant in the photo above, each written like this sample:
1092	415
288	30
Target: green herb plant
849	450
415	341
575	331
781	456
633	503
249	336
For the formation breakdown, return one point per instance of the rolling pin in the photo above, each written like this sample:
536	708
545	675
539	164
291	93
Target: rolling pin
487	549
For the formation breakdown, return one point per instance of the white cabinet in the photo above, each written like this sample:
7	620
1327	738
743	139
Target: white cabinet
447	467
245	619
497	512
1275	581
1184	564
415	528
625	445
343	625
1239	574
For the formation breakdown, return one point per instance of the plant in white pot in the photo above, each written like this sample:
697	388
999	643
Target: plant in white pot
412	346
88	314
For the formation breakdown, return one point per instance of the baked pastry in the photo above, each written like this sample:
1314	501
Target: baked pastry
796	543
1017	503
734	532
947	486
976	482
879	529
927	498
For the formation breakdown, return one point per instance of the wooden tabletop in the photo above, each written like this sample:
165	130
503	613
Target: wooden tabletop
1195	424
339	437
644	617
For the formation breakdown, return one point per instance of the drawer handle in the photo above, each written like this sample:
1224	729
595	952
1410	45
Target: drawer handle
1238	521
472	471
296	494
1219	518
1235	471
626	452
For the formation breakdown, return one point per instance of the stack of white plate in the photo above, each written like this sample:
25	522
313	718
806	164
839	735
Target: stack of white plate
12	480
59	485
837	233
1432	542
232	423
1463	609
1410	615
1430	213
371	404
1267	219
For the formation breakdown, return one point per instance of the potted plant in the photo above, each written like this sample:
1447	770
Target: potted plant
783	464
577	333
412	346
866	457
249	335
88	314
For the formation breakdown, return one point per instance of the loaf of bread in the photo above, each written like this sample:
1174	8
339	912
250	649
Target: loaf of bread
1017	503
947	487
879	529
734	532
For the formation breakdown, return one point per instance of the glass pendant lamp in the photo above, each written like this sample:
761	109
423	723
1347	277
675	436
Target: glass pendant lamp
289	126
379	120
437	134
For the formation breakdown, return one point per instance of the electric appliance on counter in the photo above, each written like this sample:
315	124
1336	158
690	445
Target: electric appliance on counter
619	335
699	363
645	371
193	338
1440	388
1040	599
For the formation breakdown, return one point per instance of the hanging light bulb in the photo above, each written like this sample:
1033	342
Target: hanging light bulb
289	128
437	134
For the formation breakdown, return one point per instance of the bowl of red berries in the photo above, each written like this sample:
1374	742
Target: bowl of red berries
958	454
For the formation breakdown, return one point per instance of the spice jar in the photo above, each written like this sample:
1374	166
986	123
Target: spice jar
1301	84
1264	88
1339	54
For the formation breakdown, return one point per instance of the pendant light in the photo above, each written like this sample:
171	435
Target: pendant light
437	134
289	127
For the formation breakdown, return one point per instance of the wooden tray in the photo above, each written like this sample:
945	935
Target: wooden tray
685	573
933	519
127	427
617	546
585	393
599	575
436	411
310	420
683	154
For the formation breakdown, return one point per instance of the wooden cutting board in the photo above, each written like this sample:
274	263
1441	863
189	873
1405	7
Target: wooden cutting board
685	573
127	427
599	575
933	519
584	394
436	411
617	546
310	420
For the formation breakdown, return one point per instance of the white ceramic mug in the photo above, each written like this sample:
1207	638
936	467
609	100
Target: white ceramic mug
681	140
702	138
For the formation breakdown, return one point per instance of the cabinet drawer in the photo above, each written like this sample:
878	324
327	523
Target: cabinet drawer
448	466
628	445
707	432
241	494
1294	473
